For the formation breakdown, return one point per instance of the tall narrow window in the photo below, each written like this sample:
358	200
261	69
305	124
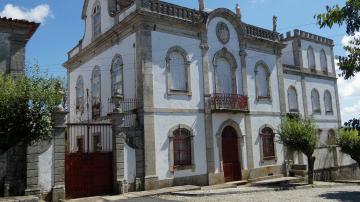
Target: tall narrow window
117	76
80	94
262	81
96	93
315	101
223	77
311	58
96	20
292	100
182	147
268	143
323	61
328	102
178	71
331	140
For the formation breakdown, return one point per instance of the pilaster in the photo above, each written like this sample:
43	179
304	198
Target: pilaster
58	190
248	128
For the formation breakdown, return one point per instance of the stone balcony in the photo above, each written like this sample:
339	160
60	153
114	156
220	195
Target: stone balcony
229	103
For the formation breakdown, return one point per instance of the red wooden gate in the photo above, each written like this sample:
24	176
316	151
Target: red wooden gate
88	161
231	164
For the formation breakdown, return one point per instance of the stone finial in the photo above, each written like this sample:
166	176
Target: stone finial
238	10
275	23
201	5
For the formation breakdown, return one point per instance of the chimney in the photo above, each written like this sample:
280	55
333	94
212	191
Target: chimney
201	5
238	11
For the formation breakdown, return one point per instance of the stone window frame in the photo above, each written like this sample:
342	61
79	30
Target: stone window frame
116	57
229	57
324	69
172	167
240	138
318	137
80	101
264	159
268	86
310	50
315	111
327	92
296	98
96	10
187	63
96	68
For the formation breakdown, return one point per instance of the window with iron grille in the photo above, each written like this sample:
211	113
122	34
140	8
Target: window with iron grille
96	93
182	147
268	144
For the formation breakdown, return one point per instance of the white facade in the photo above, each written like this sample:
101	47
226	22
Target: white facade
144	45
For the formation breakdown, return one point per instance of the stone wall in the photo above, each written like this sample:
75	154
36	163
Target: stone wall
13	171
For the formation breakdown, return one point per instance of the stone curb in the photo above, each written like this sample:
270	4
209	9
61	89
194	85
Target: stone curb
261	190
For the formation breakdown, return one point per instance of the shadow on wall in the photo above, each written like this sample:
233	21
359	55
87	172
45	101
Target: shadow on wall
348	196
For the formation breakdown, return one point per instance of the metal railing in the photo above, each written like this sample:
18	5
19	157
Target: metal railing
233	102
130	107
89	137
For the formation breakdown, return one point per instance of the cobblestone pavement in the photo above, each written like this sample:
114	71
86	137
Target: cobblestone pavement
341	194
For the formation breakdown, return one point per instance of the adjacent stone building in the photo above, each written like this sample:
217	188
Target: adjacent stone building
14	35
210	91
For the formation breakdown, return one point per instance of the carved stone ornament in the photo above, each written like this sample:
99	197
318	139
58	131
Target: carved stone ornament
222	32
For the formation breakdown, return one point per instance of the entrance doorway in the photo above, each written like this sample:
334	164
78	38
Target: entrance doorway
230	154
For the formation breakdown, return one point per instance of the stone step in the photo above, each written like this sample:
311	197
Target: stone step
294	173
298	167
265	178
238	183
233	184
282	180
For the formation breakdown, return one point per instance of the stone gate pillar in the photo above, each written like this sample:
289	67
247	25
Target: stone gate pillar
118	142
58	190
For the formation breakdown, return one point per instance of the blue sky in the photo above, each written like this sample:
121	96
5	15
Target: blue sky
62	28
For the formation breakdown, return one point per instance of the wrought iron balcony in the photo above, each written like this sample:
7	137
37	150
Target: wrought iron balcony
229	102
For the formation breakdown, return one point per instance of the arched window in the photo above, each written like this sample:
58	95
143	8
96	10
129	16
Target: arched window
178	70
223	77
262	79
311	58
292	99
268	144
331	140
96	19
96	93
328	102
80	94
117	76
182	147
315	101
323	61
225	65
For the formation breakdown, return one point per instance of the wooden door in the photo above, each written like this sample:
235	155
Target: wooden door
230	154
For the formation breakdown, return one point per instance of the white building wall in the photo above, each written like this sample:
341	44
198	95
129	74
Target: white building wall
161	43
126	49
215	45
270	60
256	123
163	123
106	21
129	164
46	169
317	48
288	53
217	120
321	85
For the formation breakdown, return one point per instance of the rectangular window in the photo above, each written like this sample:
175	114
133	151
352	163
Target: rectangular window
268	146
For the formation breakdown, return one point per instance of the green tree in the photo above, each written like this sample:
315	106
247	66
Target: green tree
299	134
26	105
349	141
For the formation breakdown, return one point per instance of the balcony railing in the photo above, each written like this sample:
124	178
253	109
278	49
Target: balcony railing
229	102
129	106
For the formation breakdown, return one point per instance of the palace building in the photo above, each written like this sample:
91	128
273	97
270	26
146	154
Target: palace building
202	93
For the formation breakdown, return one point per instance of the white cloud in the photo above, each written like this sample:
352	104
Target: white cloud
36	14
350	87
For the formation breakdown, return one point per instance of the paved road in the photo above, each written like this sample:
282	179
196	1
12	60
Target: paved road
341	194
